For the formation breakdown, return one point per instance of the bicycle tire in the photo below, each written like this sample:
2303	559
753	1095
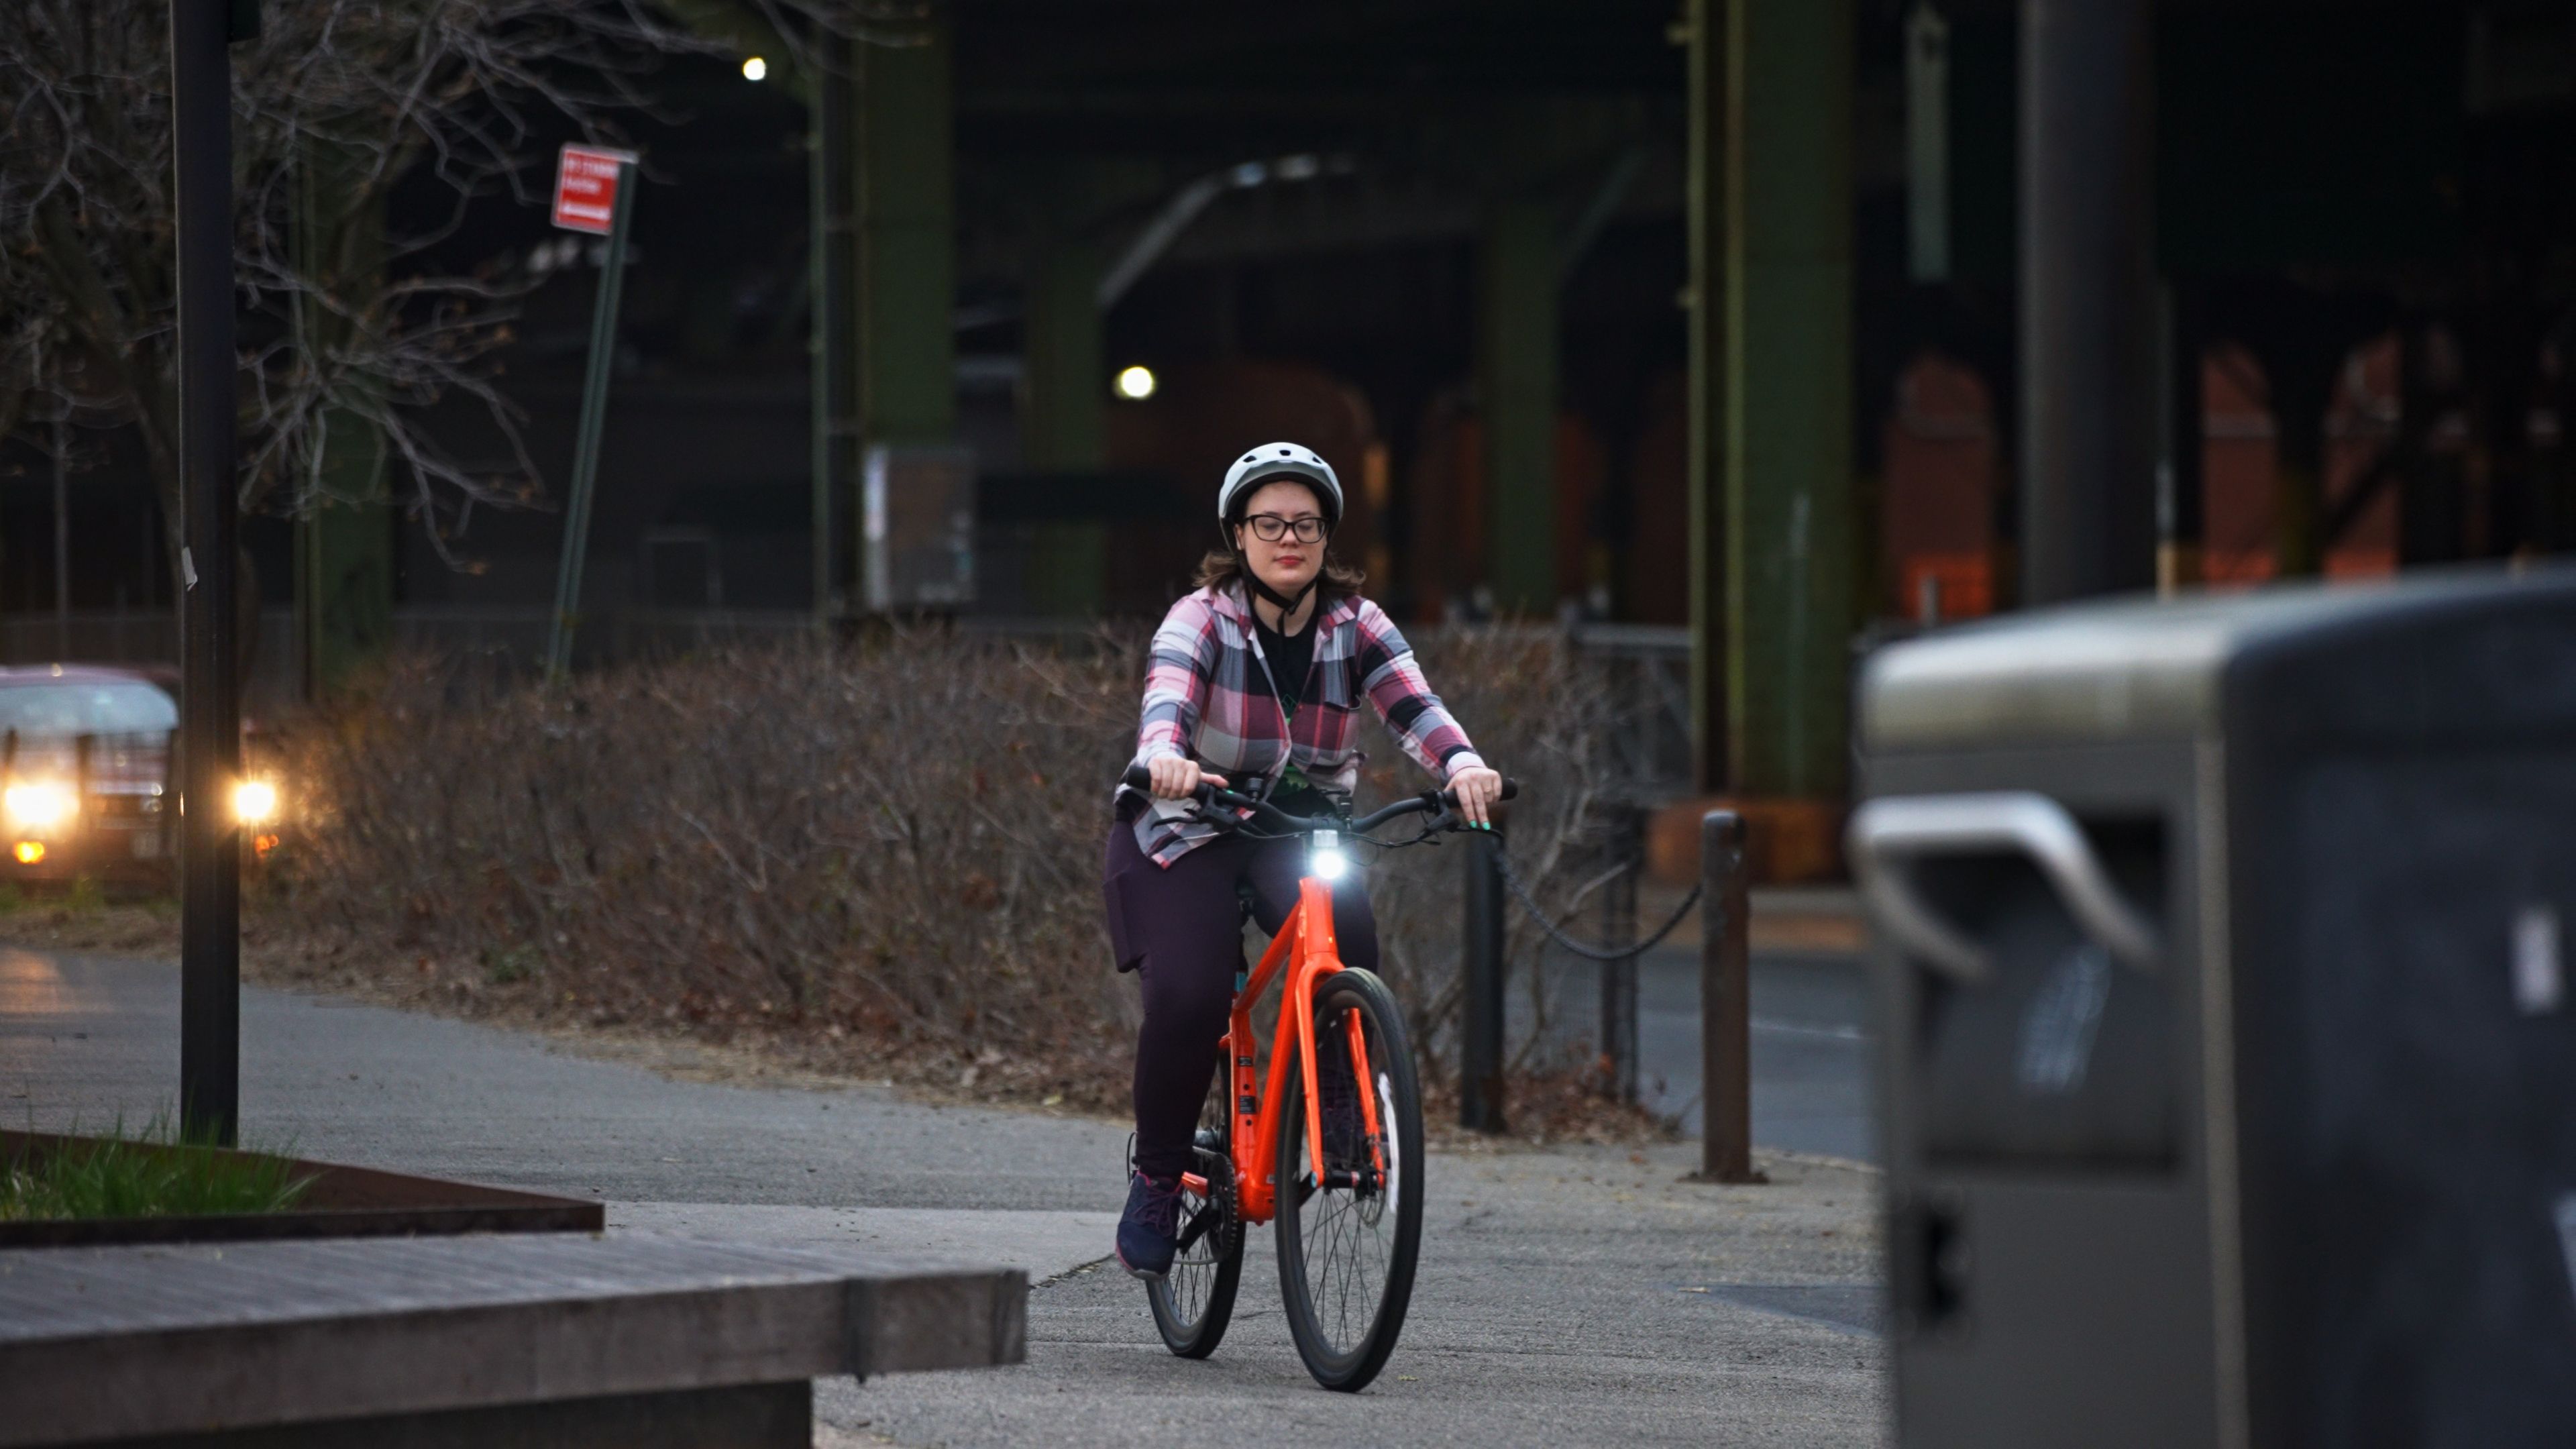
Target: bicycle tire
1338	1355
1194	1301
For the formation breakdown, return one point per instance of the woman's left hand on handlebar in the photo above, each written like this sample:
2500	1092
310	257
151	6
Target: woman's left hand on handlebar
1476	789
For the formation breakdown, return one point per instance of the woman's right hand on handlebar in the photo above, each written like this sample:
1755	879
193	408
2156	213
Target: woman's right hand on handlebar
1176	778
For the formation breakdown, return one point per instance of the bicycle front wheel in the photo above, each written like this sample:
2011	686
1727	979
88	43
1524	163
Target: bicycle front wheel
1347	1243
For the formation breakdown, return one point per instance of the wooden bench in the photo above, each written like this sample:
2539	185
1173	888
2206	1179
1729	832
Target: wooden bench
491	1341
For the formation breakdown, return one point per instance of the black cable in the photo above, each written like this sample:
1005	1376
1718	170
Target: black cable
1512	878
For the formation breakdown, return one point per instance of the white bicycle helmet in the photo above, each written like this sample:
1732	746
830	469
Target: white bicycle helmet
1280	460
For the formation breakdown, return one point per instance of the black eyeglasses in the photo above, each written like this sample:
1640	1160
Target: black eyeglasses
1270	527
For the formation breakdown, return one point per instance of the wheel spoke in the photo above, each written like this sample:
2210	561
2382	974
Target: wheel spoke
1344	1230
1347	1243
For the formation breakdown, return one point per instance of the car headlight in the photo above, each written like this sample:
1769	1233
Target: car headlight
38	805
254	802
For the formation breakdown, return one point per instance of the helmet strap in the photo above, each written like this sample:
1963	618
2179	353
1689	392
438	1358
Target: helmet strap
1286	603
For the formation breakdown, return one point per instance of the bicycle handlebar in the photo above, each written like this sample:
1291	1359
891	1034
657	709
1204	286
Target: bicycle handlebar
1138	777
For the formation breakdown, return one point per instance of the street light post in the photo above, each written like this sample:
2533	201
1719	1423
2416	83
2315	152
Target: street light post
210	707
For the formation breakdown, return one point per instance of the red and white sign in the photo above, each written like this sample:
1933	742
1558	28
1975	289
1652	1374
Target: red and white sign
586	188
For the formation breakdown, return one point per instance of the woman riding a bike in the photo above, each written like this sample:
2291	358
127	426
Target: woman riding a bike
1252	685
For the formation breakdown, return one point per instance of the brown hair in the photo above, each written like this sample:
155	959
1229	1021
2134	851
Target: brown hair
1220	570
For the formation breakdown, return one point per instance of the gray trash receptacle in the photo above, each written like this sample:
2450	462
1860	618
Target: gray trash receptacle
2228	1049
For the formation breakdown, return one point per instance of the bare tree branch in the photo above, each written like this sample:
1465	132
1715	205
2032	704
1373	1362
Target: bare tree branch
345	326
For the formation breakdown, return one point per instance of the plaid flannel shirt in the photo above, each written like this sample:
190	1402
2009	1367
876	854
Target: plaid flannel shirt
1208	697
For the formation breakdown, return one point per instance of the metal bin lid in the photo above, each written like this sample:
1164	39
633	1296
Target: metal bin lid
2380	657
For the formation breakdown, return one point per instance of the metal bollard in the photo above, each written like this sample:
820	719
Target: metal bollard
84	772
1623	835
1480	1067
1725	1007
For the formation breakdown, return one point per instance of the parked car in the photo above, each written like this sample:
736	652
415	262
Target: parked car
87	776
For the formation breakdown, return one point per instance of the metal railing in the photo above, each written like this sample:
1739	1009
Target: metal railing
1648	669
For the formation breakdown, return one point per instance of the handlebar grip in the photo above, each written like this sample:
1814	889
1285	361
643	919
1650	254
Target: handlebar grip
1511	790
1140	777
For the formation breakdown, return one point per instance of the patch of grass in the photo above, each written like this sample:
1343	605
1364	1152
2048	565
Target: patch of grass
151	1173
510	964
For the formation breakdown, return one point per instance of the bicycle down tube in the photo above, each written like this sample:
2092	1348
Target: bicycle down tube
1308	956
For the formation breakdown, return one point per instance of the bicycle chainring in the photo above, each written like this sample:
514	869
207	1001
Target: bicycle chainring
1218	1169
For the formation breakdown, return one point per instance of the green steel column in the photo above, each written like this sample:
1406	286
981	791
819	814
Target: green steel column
344	561
344	537
1706	301
903	210
831	334
1787	178
1068	364
1516	396
906	248
1066	421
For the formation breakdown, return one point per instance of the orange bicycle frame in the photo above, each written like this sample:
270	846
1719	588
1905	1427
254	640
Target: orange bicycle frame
1305	949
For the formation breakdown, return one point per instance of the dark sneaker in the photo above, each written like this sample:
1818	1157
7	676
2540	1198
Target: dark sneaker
1149	1230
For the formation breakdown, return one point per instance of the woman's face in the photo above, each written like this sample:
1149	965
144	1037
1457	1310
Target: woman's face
1288	564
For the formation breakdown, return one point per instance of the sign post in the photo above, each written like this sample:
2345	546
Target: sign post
594	193
209	659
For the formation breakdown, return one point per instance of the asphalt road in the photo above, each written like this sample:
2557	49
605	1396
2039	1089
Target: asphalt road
1586	1296
1811	1042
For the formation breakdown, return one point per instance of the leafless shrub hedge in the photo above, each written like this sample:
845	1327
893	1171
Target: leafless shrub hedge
884	857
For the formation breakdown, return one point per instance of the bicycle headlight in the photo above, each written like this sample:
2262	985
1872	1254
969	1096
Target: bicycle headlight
1324	857
38	805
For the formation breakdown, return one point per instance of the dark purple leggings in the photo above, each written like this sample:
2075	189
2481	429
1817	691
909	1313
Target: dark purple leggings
1181	927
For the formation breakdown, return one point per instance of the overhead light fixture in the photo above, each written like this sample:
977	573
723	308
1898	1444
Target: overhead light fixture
1136	383
755	69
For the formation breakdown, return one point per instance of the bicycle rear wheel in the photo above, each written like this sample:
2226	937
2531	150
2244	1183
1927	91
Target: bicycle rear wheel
1195	1300
1347	1244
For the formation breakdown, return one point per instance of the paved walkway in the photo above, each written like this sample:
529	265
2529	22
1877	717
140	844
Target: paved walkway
1566	1296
